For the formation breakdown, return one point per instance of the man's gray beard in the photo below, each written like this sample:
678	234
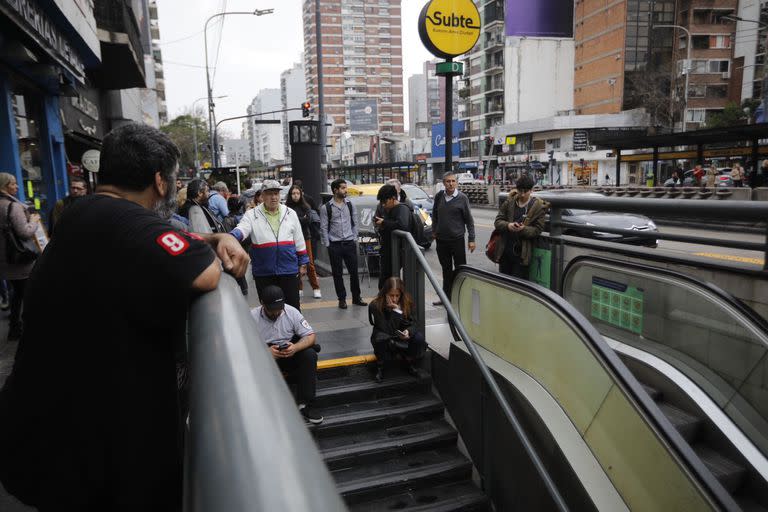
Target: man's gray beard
167	206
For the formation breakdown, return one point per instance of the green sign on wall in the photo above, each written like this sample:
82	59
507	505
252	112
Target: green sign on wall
540	270
617	304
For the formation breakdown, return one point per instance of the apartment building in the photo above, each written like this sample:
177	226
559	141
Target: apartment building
713	80
292	95
157	62
266	140
362	61
482	90
620	61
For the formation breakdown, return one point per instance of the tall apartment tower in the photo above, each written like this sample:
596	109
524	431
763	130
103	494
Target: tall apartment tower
713	81
483	91
157	57
292	94
417	104
266	140
362	61
619	60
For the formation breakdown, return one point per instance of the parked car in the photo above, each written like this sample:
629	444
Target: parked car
613	220
365	205
419	197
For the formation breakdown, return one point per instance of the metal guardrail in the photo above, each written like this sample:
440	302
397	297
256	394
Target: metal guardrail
414	260
247	447
704	210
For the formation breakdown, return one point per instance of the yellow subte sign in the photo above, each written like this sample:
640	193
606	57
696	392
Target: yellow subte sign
449	28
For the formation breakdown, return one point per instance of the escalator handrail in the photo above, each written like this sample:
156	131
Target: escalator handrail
730	299
484	371
247	446
622	375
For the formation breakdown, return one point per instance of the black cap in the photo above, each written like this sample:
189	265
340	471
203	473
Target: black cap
272	298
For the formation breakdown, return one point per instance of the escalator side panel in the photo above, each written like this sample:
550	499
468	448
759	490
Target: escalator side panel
575	366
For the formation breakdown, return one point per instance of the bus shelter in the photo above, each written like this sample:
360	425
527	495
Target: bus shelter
745	143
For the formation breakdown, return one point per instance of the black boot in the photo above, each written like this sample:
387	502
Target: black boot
379	373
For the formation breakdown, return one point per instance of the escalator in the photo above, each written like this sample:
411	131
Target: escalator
701	358
624	425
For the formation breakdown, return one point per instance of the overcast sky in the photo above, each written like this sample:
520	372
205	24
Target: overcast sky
253	51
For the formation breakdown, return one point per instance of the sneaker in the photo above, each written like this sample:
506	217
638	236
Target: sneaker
311	415
301	294
359	302
437	303
316	293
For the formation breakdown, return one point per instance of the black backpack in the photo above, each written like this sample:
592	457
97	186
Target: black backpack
328	210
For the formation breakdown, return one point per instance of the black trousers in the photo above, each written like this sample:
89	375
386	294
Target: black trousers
17	300
387	270
513	266
451	254
289	284
344	253
302	369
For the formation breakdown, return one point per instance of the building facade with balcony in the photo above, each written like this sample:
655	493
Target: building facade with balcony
620	62
362	60
482	92
713	79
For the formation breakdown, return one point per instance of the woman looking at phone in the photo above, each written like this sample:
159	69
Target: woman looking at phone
521	221
393	336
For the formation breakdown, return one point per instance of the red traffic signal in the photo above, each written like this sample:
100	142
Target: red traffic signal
305	109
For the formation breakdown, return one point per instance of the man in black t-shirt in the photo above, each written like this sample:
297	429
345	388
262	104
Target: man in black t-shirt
89	413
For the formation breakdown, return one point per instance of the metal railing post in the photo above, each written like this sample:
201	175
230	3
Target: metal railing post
558	251
554	493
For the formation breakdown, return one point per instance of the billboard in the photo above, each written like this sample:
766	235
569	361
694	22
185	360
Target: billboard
438	139
539	18
363	115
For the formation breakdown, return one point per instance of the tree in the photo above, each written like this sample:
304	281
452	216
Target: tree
181	131
652	90
732	115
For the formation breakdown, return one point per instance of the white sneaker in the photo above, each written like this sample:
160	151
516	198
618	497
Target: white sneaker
301	294
316	294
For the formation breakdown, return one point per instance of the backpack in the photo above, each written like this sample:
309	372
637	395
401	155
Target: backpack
416	227
328	210
314	224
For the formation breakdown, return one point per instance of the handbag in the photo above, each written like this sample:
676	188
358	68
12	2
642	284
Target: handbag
490	247
18	250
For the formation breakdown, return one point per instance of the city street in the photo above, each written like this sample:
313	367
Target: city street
484	227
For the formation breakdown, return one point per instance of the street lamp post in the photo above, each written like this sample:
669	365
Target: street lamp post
194	129
211	115
686	68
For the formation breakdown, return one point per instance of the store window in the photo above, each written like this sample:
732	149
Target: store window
27	115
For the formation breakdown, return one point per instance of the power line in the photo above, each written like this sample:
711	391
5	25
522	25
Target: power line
182	64
185	38
218	45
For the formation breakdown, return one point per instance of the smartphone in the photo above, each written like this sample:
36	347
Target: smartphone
401	333
281	345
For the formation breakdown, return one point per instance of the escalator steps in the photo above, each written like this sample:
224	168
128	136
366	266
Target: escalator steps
728	473
443	498
685	423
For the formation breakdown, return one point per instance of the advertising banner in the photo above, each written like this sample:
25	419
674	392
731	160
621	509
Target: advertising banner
363	115
539	18
438	139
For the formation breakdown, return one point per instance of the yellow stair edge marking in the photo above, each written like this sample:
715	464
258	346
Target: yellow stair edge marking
345	361
729	257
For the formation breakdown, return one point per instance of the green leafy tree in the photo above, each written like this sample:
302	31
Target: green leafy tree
181	130
732	115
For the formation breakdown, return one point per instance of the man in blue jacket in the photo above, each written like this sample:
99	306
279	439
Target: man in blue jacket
217	200
278	251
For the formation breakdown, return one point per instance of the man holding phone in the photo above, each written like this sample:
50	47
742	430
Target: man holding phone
291	340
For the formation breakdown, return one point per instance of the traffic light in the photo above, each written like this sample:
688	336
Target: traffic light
305	109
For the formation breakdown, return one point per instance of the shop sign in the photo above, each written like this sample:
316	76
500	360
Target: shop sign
33	19
90	160
449	28
580	140
81	113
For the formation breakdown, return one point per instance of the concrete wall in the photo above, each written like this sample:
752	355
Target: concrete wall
538	78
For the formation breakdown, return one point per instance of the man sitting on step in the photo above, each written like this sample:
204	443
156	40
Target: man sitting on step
291	340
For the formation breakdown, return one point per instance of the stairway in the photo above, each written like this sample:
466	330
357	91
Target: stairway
732	475
388	445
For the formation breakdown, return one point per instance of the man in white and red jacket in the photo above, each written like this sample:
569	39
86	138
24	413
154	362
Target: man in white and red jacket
278	252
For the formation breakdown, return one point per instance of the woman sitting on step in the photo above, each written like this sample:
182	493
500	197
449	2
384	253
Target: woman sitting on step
393	335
